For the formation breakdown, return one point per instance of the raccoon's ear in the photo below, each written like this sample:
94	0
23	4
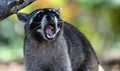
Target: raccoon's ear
22	17
59	10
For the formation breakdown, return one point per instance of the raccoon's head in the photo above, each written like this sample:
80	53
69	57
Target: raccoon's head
42	24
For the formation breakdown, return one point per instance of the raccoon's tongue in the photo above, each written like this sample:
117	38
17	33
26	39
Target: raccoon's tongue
49	31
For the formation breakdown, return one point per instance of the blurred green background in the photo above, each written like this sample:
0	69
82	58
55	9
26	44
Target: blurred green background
99	20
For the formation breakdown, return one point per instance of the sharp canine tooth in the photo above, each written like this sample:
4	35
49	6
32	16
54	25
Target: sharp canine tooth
52	27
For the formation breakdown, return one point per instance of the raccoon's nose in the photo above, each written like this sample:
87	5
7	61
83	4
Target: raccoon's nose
50	17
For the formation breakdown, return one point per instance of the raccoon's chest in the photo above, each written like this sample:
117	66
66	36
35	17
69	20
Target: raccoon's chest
40	53
37	59
51	56
43	55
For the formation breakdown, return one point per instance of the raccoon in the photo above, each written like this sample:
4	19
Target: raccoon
52	44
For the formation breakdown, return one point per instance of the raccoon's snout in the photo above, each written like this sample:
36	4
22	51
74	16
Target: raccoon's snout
51	18
50	29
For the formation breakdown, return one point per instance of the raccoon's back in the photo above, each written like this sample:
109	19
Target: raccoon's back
79	47
75	37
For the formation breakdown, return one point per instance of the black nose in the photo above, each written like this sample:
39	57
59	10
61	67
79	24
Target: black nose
50	17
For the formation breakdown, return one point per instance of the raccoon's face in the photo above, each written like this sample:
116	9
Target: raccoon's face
43	23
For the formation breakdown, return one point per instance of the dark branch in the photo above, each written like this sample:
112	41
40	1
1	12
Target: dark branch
9	7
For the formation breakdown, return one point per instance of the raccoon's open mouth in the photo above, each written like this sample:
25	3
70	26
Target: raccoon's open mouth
50	31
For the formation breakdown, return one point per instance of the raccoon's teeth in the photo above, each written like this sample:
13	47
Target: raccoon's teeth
51	27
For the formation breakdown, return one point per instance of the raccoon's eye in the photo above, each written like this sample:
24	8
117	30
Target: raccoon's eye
60	24
37	18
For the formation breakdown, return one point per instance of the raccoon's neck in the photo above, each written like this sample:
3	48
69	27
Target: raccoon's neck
47	54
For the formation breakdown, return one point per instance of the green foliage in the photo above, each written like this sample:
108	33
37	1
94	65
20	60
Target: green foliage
10	42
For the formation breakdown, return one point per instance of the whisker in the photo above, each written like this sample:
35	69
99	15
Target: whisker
34	30
60	21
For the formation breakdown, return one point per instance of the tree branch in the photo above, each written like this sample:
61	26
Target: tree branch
9	7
